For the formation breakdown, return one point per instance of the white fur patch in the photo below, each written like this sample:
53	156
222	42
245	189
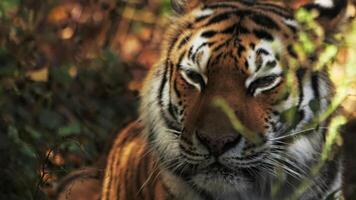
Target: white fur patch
291	22
305	148
200	67
272	48
151	114
325	3
202	13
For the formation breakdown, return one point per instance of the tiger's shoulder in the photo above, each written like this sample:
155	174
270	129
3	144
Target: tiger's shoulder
132	171
82	184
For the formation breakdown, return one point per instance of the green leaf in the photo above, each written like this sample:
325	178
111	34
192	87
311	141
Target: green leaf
28	150
9	5
333	195
73	128
34	133
288	116
237	124
314	105
61	75
110	57
13	133
50	119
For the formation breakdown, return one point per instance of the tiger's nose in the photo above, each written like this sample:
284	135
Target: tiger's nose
218	144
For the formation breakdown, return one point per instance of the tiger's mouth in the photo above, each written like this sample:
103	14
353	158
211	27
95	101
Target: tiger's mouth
217	177
218	169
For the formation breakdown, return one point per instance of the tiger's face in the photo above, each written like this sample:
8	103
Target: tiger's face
235	51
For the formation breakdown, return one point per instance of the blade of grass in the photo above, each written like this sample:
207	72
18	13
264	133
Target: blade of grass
244	131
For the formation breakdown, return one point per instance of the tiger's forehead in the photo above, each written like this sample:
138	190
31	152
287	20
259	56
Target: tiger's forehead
238	29
251	56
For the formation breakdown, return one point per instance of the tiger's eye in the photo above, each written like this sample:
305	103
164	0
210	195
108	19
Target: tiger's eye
261	83
195	77
265	81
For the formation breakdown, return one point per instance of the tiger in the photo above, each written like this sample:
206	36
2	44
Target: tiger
184	147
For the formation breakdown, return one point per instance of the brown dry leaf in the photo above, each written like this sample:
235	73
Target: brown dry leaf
40	75
130	48
298	3
58	160
63	12
67	33
148	58
145	34
135	85
73	71
342	55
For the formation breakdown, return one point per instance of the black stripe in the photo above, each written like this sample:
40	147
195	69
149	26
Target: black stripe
190	52
339	6
165	71
226	15
161	88
184	41
222	5
291	51
261	34
217	48
275	7
218	18
201	18
241	29
230	30
300	75
292	28
208	34
170	124
262	51
201	46
194	56
270	64
265	21
315	84
271	5
281	13
240	49
246	64
173	110
175	89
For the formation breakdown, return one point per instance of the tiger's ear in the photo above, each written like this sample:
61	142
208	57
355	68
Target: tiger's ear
184	6
331	13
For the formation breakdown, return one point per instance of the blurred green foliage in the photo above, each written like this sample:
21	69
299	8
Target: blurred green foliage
65	105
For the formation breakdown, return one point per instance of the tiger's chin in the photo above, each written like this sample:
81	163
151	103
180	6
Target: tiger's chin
218	179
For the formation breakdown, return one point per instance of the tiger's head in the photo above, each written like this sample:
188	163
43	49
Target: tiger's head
235	51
